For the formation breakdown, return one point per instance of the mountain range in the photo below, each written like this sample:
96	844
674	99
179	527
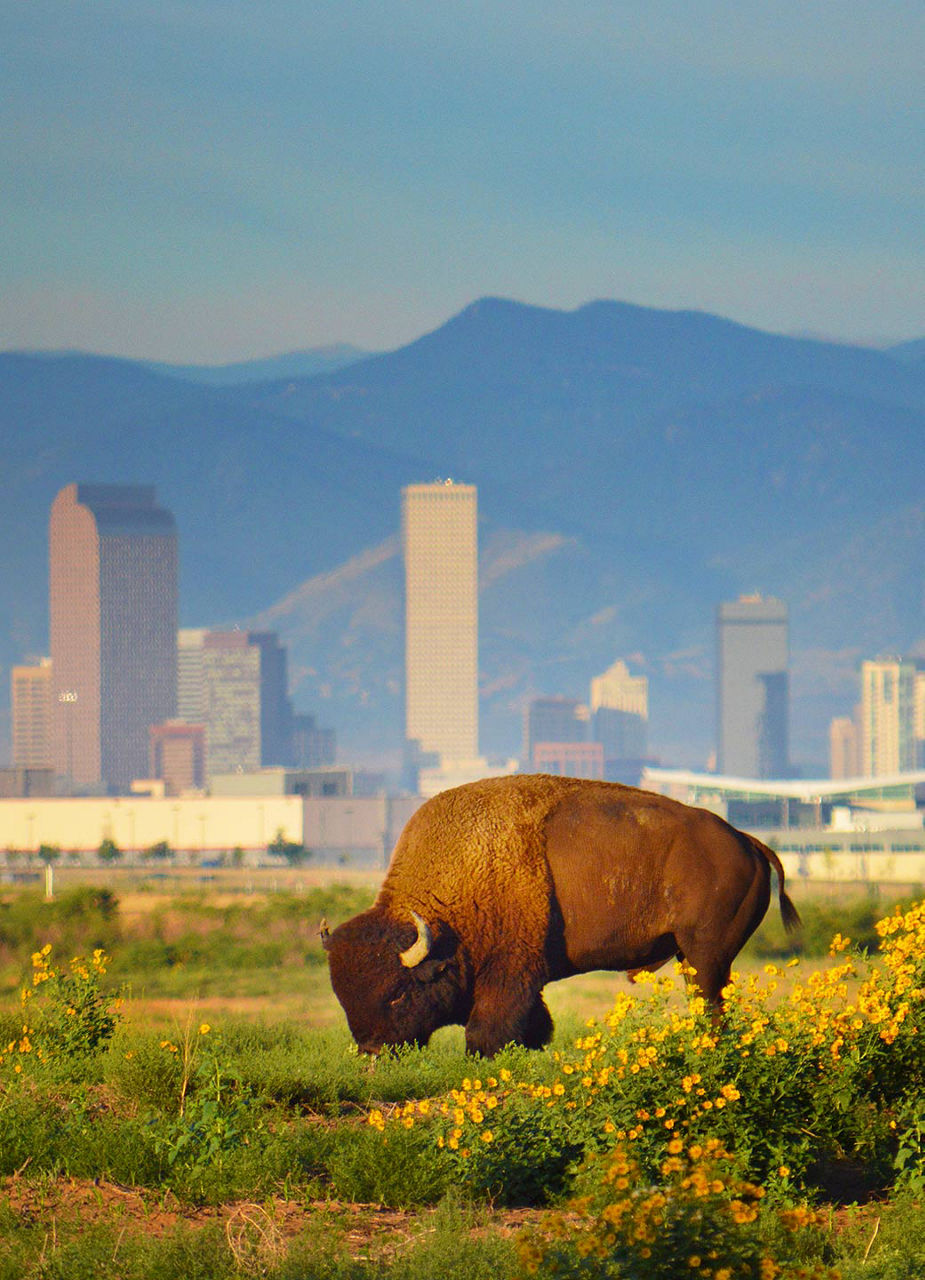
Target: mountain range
634	466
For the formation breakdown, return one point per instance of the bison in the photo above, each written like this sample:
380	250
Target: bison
500	886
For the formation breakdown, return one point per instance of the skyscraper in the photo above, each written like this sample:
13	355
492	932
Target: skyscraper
753	688
619	716
617	689
113	602
439	529
30	706
552	720
887	716
236	684
844	748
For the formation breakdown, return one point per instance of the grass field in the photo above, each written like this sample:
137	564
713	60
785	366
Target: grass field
217	1122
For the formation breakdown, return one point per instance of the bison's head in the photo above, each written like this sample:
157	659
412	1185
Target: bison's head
396	982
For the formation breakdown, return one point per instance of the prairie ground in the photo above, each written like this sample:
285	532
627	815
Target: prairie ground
224	1129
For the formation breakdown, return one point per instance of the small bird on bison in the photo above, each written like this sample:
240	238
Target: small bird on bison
500	886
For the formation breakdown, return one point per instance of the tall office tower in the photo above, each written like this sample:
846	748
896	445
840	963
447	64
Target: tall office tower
178	755
844	748
312	747
619	714
191	706
113	598
235	683
753	688
231	702
439	530
276	727
616	688
919	713
552	720
887	716
30	708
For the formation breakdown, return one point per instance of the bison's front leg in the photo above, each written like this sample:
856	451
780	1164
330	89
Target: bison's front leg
507	1014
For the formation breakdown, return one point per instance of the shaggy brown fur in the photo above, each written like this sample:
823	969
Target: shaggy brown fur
522	880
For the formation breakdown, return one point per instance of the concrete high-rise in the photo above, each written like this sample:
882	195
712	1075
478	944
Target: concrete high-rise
552	720
753	702
844	748
113	603
439	531
30	709
619	716
617	689
887	716
236	684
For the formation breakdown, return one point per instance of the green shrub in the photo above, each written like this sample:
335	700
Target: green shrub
400	1169
78	921
142	1073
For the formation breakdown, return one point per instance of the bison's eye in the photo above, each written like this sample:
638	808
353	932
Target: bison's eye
398	999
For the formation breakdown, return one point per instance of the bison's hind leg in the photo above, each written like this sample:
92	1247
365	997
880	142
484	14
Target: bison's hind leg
711	975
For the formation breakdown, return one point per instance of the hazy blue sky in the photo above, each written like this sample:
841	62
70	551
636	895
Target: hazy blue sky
219	179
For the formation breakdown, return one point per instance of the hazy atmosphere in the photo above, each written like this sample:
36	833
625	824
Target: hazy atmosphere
217	181
649	276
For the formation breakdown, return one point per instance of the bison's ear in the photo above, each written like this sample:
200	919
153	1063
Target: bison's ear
428	970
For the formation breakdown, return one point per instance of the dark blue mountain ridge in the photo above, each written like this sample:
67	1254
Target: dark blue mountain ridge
670	459
606	418
909	352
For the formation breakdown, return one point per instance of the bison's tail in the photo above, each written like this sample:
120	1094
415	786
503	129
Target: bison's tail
789	913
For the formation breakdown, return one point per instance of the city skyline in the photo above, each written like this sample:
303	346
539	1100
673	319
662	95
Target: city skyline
614	688
435	540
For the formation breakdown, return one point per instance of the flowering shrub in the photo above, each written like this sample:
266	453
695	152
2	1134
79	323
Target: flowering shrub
64	1012
699	1221
801	1075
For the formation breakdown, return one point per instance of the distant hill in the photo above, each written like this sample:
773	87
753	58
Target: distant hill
910	352
295	364
634	468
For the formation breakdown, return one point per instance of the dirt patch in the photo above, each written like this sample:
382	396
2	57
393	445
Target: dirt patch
67	1203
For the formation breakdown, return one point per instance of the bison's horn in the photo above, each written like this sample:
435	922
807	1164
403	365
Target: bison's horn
420	948
324	933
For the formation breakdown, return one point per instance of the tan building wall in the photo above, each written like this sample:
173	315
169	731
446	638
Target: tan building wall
439	525
887	716
139	822
844	748
369	825
30	709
